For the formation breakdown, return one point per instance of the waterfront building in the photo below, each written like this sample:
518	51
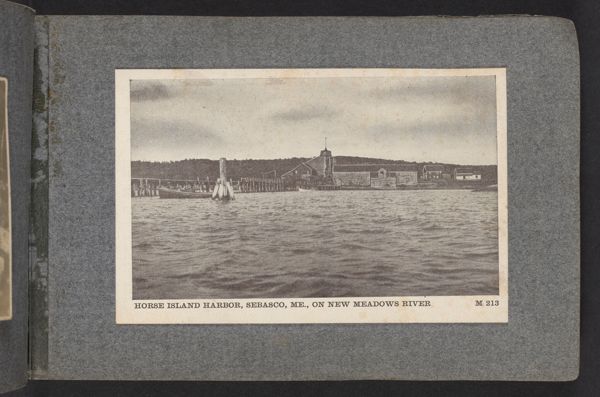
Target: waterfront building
432	171
375	176
324	170
466	174
323	163
301	171
319	168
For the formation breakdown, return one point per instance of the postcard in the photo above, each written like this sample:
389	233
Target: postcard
252	196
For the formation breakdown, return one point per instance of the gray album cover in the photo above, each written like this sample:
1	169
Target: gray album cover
428	169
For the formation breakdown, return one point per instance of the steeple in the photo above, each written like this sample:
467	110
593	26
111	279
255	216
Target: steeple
325	152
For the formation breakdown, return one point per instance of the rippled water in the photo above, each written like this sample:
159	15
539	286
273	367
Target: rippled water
317	244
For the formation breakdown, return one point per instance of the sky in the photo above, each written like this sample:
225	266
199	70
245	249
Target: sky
438	119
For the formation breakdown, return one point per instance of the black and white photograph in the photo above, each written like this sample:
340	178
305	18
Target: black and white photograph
315	184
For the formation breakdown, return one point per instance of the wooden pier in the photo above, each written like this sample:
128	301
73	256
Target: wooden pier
256	185
327	187
148	187
221	187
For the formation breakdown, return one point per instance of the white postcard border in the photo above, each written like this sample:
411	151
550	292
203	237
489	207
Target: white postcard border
403	309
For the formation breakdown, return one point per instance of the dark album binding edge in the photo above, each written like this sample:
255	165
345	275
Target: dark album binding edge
24	352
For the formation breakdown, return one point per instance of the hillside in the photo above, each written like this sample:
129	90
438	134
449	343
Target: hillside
201	168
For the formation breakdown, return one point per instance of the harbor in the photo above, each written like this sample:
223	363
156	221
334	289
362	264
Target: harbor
320	173
314	187
432	227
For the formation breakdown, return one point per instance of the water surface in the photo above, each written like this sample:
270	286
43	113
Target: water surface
316	244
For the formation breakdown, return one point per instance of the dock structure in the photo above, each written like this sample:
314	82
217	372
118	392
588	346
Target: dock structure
258	185
148	187
327	187
221	187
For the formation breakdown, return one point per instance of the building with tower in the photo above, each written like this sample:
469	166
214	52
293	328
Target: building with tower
323	170
316	171
322	164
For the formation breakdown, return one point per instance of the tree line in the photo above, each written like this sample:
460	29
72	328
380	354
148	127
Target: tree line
203	168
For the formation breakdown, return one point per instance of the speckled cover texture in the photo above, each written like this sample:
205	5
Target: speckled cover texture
541	339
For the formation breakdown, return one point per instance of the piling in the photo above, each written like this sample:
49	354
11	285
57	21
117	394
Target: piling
223	188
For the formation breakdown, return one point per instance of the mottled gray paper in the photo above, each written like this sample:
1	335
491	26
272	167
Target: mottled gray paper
16	54
541	339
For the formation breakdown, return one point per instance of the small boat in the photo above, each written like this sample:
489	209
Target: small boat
304	190
490	188
165	193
